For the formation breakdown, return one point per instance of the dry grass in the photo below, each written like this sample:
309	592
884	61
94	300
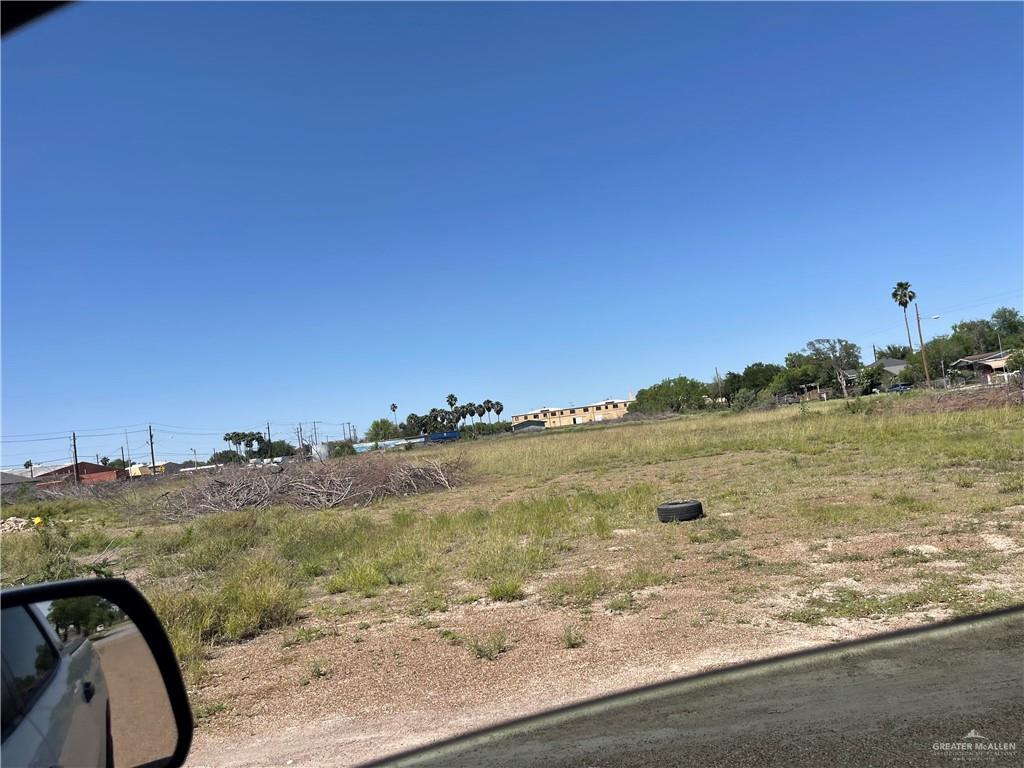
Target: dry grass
568	516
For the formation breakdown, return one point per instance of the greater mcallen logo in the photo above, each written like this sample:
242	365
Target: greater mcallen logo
974	744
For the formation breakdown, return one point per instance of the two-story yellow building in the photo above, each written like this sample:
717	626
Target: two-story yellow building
606	410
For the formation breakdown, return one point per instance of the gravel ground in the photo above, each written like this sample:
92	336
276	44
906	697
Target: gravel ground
379	681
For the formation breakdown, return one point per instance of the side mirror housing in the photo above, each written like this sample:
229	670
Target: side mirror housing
89	678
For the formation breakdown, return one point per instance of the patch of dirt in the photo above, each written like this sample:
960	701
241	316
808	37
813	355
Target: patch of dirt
394	681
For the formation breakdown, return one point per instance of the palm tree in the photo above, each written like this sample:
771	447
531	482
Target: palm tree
488	406
498	408
470	410
451	400
28	466
902	295
394	411
480	411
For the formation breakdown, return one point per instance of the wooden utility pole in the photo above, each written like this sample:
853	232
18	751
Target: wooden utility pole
270	443
74	456
123	465
920	338
152	451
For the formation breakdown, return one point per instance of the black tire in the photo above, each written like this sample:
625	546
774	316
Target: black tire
680	511
110	741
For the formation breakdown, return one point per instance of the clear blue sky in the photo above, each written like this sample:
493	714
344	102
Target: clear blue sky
220	214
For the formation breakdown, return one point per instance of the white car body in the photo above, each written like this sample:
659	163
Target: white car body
60	722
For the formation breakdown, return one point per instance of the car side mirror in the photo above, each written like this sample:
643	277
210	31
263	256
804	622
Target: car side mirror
89	679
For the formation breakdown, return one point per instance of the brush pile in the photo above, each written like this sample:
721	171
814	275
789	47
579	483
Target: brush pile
312	485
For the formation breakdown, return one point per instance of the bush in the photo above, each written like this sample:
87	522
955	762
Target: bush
743	399
572	636
490	647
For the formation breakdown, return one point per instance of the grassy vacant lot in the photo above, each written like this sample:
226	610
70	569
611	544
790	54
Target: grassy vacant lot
816	516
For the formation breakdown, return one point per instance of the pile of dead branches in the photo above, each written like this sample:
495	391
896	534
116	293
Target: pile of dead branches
350	483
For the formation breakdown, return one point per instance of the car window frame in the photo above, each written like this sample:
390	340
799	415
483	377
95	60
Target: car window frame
25	703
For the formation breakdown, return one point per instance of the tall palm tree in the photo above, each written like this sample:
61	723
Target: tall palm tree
488	406
902	295
471	410
451	400
394	412
498	408
480	411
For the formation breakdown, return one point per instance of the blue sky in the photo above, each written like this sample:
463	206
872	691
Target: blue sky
216	215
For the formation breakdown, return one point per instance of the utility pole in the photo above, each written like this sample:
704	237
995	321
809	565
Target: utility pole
920	338
270	443
195	459
152	451
97	458
123	465
718	383
316	440
74	456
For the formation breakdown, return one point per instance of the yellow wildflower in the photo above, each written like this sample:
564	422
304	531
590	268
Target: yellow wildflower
37	520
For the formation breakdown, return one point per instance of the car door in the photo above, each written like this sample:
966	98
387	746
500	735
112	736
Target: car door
71	710
28	665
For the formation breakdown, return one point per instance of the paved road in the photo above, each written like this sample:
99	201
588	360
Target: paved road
142	723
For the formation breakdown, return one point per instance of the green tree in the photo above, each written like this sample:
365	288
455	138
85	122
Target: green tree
274	449
451	400
831	357
1015	362
338	448
671	395
793	380
757	376
1009	324
225	457
896	351
488	407
730	384
480	411
412	426
85	614
394	412
498	408
903	295
381	429
471	411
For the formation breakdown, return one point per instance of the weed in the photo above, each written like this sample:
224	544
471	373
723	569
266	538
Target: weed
450	636
305	635
572	636
506	589
964	480
203	711
489	647
621	603
1012	483
580	591
714	532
